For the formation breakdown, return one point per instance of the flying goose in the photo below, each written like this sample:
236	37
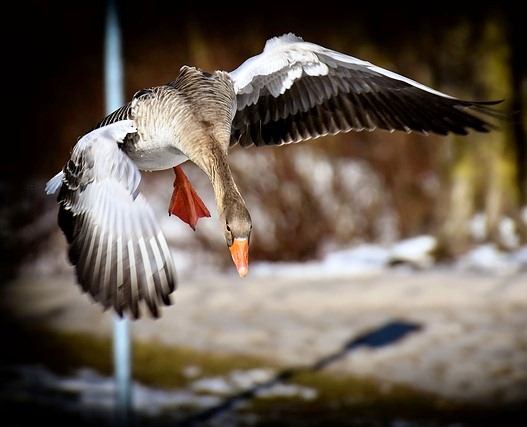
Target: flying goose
293	91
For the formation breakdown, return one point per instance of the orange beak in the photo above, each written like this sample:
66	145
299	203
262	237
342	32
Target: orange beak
240	255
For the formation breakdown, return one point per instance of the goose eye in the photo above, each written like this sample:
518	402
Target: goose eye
228	228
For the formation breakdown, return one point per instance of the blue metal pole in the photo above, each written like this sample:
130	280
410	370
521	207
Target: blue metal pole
114	93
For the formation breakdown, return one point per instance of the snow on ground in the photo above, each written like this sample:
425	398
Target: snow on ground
358	261
93	395
466	338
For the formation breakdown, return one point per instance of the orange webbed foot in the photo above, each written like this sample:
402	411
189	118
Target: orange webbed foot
185	202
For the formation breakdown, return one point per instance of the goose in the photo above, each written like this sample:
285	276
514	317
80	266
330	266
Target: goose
292	91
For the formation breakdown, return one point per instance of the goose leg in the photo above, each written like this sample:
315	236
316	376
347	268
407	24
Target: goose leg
185	202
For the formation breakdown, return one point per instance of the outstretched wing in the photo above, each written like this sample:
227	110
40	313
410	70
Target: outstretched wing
295	90
119	252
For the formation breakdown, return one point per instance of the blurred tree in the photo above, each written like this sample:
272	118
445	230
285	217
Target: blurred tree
486	171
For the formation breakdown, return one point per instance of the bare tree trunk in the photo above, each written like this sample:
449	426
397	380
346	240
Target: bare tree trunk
486	174
518	63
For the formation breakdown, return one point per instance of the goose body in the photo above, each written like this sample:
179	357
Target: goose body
293	91
177	120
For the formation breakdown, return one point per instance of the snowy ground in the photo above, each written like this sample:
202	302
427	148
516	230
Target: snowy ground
465	323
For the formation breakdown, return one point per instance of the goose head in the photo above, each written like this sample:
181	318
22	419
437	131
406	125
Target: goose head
237	225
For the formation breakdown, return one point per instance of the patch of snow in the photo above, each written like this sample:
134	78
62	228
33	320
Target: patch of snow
86	391
488	258
261	380
416	251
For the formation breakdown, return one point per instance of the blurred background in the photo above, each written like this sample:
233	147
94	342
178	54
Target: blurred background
381	187
309	199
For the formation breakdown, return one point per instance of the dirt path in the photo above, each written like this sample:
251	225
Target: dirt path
470	342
